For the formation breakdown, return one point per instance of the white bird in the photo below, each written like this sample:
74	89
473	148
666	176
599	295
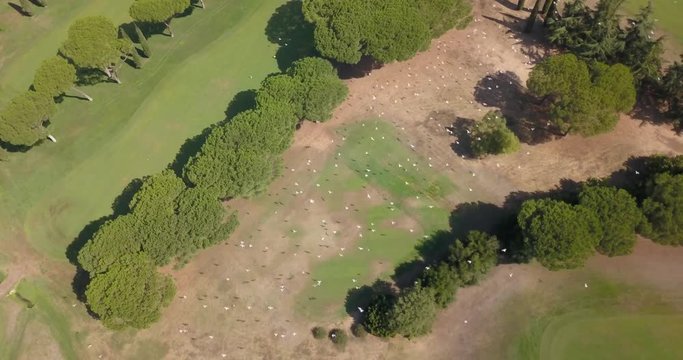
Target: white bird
585	285
52	138
359	309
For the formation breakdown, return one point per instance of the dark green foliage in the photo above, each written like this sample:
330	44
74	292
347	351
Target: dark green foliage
339	337
26	7
310	87
492	136
596	35
157	11
146	49
546	7
414	312
54	76
379	316
618	214
671	89
358	330
42	3
559	235
113	240
473	258
21	121
242	157
387	30
319	332
578	103
130	293
663	208
444	282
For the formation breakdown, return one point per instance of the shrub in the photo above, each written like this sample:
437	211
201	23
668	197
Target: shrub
358	330
339	337
319	332
474	258
444	281
663	208
492	136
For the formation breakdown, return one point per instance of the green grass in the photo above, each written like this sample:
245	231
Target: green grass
130	130
39	307
606	321
667	12
422	199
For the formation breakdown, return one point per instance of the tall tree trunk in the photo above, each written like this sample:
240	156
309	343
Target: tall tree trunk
168	26
82	93
532	18
520	4
551	12
546	6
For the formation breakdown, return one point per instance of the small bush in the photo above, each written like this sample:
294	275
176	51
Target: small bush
492	136
319	332
358	330
339	337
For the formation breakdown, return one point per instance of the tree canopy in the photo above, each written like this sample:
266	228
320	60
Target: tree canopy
559	235
387	30
671	89
577	102
131	293
618	214
54	76
663	208
492	136
157	11
92	42
414	312
21	120
473	258
444	282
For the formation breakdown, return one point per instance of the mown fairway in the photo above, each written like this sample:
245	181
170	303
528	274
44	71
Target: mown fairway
394	201
51	192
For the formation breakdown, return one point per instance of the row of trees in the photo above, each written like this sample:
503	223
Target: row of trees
93	44
558	234
240	158
169	218
599	34
581	98
412	312
385	30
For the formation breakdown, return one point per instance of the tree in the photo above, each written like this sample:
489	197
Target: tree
663	209
545	11
671	91
146	49
21	121
619	215
414	312
492	136
92	43
532	17
113	240
379	315
520	4
642	54
443	15
321	89
158	11
42	3
559	235
444	282
574	103
131	293
55	76
475	257
131	51
26	7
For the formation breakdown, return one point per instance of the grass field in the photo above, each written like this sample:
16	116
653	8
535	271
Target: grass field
130	130
605	321
668	14
374	160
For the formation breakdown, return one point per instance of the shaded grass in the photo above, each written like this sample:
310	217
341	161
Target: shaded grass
415	193
134	129
666	12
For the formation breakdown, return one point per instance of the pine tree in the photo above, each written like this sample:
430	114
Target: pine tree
642	52
42	3
550	14
532	17
146	50
26	7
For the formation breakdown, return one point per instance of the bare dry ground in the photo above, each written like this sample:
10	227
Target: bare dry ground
224	294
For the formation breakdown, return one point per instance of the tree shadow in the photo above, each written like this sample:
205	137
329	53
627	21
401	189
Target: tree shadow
18	9
243	101
82	238
462	145
508	4
289	29
354	71
534	45
362	297
121	204
649	109
189	149
37	3
525	117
